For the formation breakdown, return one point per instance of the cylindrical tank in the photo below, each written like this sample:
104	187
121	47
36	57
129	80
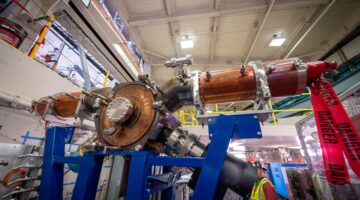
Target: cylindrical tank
63	105
255	81
12	32
227	85
236	175
286	77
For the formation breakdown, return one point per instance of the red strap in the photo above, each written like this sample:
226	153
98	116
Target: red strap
336	132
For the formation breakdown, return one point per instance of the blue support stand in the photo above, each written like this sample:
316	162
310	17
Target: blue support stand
276	176
221	130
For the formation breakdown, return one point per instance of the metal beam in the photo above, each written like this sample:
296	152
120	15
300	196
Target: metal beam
170	9
259	30
213	38
310	28
173	38
123	13
248	7
152	53
85	69
218	62
214	27
296	32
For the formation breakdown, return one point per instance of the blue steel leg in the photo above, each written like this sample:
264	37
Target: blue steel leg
52	177
139	170
168	193
211	169
88	177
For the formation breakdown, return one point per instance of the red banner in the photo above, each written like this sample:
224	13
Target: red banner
336	132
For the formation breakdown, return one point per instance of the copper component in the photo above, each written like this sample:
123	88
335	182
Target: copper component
138	127
228	85
285	79
21	172
63	105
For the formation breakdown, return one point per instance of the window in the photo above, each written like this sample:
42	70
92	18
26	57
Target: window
61	53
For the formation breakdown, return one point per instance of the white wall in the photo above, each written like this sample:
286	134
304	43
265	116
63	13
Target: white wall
22	75
31	80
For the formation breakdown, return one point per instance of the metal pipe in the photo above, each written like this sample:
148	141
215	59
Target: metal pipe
84	67
259	31
272	113
23	8
30	155
14	100
41	38
106	78
177	93
19	191
24	179
227	107
310	28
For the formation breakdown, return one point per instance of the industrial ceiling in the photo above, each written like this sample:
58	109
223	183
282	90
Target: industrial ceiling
233	32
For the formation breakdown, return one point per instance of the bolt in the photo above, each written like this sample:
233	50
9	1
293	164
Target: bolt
210	134
138	147
255	117
109	131
210	120
259	133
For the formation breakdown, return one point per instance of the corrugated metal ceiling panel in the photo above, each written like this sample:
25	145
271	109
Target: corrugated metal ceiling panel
139	7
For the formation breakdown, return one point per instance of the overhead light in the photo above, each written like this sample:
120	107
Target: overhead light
240	155
239	148
277	41
235	143
187	43
86	2
125	58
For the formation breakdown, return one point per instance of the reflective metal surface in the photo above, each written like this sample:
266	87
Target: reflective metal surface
137	128
227	85
9	153
119	110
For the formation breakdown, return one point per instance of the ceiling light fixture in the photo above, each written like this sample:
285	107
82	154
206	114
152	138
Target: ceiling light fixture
187	43
277	41
125	58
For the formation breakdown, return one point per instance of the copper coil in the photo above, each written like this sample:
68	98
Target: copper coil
285	79
228	85
63	105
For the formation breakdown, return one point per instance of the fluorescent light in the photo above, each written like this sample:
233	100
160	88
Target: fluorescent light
276	42
125	58
238	148
86	2
186	44
240	155
235	143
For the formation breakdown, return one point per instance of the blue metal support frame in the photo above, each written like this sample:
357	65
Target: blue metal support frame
277	177
221	130
52	178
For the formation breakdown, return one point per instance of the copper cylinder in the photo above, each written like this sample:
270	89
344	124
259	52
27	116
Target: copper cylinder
63	105
227	85
285	79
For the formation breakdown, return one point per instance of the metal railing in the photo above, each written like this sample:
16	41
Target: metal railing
188	117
